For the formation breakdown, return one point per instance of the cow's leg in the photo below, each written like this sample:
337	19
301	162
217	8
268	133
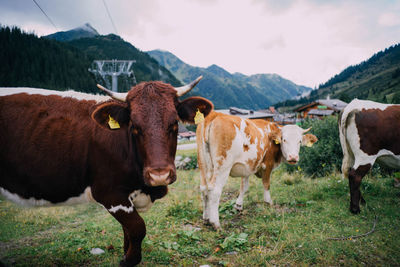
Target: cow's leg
244	186
126	240
204	198
214	195
355	178
120	207
266	180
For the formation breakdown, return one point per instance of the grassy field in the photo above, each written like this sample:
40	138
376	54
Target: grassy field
294	231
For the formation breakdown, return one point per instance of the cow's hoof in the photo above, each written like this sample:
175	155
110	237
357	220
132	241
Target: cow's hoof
238	207
126	263
270	203
355	210
216	226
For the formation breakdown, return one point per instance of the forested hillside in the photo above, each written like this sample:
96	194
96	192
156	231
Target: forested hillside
377	79
27	60
226	89
114	47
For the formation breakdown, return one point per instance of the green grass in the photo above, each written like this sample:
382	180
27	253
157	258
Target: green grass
293	231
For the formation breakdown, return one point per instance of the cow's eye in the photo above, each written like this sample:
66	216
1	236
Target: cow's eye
284	140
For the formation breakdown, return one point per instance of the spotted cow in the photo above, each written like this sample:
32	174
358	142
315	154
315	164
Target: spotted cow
68	147
369	132
231	146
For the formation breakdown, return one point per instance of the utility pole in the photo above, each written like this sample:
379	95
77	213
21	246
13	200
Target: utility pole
113	68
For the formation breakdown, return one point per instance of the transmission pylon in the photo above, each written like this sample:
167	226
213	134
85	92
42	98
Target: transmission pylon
113	68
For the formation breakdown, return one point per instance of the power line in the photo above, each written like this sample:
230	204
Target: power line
45	14
109	15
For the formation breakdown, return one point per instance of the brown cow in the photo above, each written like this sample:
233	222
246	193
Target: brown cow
231	146
369	132
59	149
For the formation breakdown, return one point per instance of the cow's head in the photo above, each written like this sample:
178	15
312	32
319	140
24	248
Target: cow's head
290	137
149	112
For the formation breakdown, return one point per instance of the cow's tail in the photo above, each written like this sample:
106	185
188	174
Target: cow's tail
348	158
203	154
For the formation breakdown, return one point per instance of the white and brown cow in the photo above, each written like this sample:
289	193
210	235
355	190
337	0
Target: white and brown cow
67	147
369	132
231	146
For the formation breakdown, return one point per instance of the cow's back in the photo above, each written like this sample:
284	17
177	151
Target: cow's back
369	131
45	144
230	144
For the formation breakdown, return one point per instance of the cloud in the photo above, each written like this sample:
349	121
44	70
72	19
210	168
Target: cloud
389	19
306	41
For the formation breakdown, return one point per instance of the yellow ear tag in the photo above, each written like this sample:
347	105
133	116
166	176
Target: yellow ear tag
309	144
113	123
277	141
199	117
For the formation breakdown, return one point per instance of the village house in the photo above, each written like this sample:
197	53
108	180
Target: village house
320	108
184	133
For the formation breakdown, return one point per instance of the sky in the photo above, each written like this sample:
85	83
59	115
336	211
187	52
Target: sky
305	41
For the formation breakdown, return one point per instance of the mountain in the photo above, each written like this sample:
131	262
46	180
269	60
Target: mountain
81	32
227	90
377	79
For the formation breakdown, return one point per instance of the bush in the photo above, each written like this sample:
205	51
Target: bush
325	156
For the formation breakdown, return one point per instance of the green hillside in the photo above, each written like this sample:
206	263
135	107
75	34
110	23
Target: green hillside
226	89
27	60
114	47
30	61
377	79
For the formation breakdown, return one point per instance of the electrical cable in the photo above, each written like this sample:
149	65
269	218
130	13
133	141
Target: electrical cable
45	14
109	15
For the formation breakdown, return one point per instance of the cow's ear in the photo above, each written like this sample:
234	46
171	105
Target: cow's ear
276	137
111	115
309	140
194	109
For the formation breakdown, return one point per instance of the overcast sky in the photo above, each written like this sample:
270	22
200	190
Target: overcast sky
306	41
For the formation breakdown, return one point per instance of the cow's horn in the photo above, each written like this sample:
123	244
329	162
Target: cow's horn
180	91
117	96
306	130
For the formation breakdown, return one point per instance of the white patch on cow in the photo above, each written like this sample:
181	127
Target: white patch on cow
85	197
35	91
115	209
139	201
239	156
142	202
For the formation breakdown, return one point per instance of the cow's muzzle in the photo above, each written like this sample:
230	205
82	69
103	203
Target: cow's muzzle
159	176
293	159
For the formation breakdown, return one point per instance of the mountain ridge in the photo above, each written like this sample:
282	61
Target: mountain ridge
225	89
84	31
